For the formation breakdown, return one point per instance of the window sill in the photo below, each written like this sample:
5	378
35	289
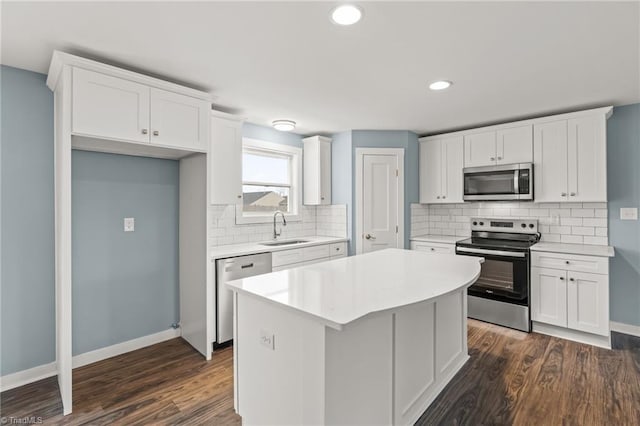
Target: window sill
248	220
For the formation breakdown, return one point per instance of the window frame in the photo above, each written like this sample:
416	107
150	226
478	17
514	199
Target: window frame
261	147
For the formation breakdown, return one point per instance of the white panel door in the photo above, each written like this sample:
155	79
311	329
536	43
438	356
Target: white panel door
380	202
514	145
179	121
452	150
549	296
550	158
480	149
225	161
109	107
430	171
587	169
588	303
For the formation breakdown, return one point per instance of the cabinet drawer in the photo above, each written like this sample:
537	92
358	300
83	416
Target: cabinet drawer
433	247
286	257
316	252
338	249
571	262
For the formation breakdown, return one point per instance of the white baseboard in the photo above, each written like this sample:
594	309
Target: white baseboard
40	372
576	336
24	377
633	330
124	347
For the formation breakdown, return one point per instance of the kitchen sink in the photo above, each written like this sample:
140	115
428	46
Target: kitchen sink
283	242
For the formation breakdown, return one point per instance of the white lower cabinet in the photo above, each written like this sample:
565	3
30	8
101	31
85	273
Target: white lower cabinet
433	247
567	297
286	259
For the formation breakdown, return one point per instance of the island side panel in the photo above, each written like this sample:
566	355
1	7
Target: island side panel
430	348
359	372
280	382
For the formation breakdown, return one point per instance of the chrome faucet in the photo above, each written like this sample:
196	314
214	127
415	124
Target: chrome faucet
276	234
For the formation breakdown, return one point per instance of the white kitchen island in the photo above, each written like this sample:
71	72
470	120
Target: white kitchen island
363	340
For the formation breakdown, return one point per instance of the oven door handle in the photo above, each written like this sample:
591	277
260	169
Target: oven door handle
491	252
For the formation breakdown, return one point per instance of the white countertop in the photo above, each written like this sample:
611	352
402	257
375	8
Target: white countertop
340	291
447	239
233	250
583	249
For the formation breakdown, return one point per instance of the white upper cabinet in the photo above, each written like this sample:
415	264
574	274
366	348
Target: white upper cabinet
570	160
514	145
550	161
109	106
441	163
179	120
587	155
225	159
503	146
317	170
480	149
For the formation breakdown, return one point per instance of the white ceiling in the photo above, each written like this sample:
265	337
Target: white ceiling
287	60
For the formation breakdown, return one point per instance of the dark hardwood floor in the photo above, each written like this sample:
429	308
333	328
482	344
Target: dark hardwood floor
512	378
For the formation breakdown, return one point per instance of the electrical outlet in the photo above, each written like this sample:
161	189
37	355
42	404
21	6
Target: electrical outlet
129	224
267	339
628	213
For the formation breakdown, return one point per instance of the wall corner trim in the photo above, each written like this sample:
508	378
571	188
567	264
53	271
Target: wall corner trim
633	330
24	377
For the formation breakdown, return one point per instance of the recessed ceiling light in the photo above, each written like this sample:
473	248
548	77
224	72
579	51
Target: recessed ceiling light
346	14
284	125
440	85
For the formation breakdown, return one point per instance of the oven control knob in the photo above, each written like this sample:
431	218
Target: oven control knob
531	225
475	223
524	225
481	223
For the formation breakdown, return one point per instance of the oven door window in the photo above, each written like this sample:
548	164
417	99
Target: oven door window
491	183
505	278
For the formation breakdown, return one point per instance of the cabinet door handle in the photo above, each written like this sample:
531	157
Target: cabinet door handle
145	131
443	197
566	262
493	158
564	194
499	158
322	198
156	133
438	197
561	278
573	194
571	279
432	249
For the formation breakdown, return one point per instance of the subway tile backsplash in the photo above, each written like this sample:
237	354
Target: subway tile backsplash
578	223
328	221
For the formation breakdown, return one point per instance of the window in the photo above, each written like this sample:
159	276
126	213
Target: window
271	181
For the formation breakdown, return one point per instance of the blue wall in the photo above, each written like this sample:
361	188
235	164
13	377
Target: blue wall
270	134
27	286
125	284
623	187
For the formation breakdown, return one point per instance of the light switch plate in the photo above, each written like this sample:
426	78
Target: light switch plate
267	339
129	224
628	213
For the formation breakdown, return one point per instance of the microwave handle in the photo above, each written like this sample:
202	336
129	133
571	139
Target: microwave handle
516	181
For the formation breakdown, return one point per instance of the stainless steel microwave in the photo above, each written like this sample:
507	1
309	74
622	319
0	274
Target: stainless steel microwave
499	183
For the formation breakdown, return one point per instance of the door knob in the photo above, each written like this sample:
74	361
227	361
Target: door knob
370	237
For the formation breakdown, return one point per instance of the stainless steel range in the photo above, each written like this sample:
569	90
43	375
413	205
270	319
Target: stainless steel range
501	294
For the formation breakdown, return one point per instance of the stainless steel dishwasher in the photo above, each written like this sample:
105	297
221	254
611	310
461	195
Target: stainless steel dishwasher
234	268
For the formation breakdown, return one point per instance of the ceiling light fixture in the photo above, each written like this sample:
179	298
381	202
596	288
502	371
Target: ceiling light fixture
440	85
346	14
284	125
